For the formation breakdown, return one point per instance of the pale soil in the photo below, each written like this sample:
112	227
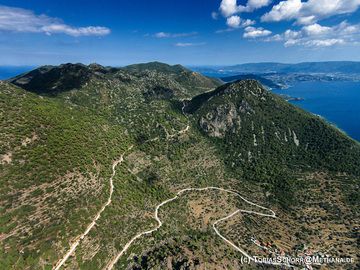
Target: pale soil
75	242
25	142
6	158
269	213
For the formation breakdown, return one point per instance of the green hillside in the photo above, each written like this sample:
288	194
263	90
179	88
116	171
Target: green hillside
193	82
265	139
55	160
62	129
247	118
157	66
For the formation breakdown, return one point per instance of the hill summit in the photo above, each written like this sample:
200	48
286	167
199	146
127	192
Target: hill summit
258	127
52	80
157	66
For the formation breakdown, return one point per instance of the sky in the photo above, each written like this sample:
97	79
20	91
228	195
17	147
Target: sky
188	32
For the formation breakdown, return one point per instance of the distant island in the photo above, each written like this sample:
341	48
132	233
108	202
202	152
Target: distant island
282	76
332	67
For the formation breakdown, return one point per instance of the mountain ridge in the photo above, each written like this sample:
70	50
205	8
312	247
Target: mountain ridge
158	66
56	79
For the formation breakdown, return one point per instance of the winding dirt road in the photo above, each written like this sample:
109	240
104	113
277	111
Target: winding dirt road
186	129
271	214
112	263
170	136
78	239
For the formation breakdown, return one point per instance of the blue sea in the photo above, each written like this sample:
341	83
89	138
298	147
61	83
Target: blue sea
338	102
7	72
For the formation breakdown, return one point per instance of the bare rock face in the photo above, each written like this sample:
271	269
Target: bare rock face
225	118
245	108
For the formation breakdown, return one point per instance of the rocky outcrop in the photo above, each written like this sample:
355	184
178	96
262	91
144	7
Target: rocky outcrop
224	118
221	120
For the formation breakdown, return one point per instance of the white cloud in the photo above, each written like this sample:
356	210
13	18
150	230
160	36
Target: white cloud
276	37
76	32
316	30
188	44
324	42
306	20
315	43
247	22
285	10
290	34
310	11
253	32
174	35
26	21
255	4
162	35
316	35
230	7
327	8
233	21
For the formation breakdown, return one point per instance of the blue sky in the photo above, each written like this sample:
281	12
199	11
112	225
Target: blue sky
189	32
